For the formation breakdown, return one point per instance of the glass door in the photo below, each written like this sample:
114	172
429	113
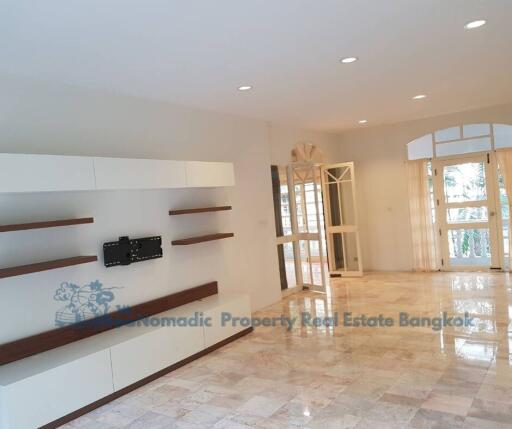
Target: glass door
343	245
307	198
467	213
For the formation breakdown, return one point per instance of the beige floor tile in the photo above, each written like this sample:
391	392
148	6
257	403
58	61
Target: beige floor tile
345	377
451	404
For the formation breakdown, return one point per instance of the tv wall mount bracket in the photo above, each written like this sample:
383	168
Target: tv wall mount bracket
126	251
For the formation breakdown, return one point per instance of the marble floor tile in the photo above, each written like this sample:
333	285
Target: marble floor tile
451	404
346	377
475	423
430	419
491	410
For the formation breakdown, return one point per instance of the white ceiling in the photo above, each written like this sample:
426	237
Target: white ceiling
197	52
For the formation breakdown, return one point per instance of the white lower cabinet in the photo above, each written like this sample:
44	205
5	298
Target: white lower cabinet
40	389
239	309
47	396
149	353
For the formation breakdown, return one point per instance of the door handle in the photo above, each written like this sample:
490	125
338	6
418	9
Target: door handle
492	213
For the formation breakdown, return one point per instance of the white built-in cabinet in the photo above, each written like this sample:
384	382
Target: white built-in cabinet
51	173
42	388
45	173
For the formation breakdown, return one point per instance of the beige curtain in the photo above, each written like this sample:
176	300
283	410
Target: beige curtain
420	207
504	157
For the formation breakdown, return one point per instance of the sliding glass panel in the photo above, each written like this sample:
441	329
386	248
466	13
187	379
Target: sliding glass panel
467	214
465	182
469	247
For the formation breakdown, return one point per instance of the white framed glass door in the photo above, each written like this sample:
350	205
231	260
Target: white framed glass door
466	212
299	222
343	244
307	198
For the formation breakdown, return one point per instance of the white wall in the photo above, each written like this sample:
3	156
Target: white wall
379	154
38	117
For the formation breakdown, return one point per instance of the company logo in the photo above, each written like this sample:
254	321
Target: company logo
83	302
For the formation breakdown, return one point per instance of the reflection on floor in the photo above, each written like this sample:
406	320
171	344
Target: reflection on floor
339	377
307	269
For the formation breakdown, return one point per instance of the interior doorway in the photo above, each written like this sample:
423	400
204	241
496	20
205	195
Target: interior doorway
316	224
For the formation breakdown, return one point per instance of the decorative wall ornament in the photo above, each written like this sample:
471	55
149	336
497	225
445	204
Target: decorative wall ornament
126	251
307	153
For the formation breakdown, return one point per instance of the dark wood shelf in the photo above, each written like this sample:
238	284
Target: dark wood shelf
45	224
45	266
29	346
199	210
202	239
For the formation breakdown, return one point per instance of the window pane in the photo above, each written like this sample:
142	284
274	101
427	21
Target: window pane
502	136
311	211
304	259
447	134
505	216
463	146
289	260
301	209
476	130
465	182
467	214
420	148
469	247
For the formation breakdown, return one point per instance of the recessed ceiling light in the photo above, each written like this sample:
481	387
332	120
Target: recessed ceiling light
419	97
363	121
475	24
349	60
244	88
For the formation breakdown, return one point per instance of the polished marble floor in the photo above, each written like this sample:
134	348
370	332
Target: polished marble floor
347	377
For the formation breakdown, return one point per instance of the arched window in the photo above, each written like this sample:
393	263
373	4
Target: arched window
459	203
460	140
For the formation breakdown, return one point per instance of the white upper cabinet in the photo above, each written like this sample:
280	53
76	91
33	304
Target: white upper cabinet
45	173
206	174
124	173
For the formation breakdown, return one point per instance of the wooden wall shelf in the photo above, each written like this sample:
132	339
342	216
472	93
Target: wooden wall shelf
45	266
45	224
202	239
29	346
199	210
